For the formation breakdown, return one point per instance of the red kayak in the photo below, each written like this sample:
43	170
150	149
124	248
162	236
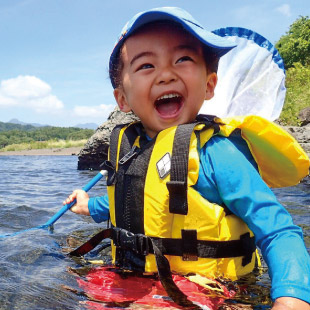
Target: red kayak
108	288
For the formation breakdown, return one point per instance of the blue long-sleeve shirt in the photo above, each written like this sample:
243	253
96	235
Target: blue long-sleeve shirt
228	174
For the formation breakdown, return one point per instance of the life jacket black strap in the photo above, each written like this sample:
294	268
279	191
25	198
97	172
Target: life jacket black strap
114	143
92	243
177	186
142	244
245	247
108	166
165	277
189	245
128	139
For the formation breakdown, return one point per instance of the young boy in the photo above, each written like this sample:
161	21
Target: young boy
163	68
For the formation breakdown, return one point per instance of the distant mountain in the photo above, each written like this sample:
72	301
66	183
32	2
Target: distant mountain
87	126
16	121
82	126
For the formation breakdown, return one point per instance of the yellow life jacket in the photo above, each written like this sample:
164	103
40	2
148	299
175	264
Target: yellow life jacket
153	204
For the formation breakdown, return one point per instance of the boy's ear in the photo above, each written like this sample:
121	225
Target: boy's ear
121	100
211	83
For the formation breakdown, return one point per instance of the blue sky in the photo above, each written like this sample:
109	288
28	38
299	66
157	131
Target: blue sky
54	53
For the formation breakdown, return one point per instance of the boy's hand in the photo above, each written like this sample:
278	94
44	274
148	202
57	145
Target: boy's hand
81	206
290	303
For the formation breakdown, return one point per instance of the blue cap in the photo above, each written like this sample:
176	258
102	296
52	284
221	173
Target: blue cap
216	44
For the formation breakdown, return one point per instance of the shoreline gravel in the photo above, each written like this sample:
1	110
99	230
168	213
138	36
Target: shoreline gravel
44	152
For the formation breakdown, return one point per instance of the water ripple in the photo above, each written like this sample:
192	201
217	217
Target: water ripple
34	264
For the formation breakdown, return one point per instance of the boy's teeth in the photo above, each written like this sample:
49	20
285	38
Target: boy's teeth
168	96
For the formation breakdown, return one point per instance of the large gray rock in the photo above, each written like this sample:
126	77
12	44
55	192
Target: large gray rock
304	116
301	134
96	149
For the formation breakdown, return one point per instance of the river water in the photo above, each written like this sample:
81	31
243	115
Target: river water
35	272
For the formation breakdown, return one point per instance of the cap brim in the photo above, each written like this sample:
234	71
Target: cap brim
218	45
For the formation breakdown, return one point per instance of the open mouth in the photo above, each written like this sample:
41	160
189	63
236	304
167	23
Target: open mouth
168	105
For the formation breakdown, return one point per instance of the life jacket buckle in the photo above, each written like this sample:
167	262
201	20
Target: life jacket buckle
142	244
125	239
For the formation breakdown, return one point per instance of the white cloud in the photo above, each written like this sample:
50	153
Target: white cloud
99	111
284	9
29	92
32	98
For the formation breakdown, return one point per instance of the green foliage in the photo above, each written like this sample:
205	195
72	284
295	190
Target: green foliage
12	126
79	135
297	94
59	144
17	134
295	45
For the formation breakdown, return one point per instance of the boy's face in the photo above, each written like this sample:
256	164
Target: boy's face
164	78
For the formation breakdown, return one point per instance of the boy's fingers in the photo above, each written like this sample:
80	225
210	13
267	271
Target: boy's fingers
69	199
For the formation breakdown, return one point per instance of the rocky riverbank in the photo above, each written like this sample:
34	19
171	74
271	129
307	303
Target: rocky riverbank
302	135
96	149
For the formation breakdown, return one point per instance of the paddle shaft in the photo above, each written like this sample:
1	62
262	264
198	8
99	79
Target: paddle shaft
66	207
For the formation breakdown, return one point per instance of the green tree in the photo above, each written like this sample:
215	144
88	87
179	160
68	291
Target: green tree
80	134
3	141
295	45
17	134
297	95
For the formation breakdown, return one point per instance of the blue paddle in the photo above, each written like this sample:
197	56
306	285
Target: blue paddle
64	209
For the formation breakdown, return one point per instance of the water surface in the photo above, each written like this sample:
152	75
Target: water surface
34	269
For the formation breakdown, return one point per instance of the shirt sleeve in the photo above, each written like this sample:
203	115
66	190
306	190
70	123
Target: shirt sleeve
99	208
228	175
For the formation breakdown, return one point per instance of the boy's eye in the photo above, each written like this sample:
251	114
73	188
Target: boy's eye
145	66
184	58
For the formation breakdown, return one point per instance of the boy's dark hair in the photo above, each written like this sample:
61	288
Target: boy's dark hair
211	59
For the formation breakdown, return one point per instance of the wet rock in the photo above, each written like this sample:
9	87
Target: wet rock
96	149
